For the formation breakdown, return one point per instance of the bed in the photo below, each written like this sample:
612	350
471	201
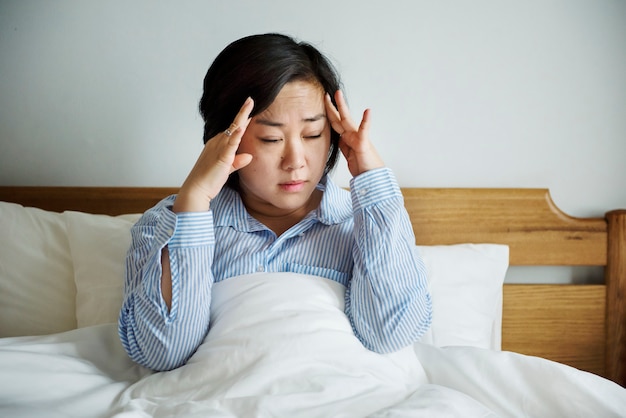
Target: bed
494	349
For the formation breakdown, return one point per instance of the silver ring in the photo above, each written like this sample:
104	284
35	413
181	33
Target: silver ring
231	129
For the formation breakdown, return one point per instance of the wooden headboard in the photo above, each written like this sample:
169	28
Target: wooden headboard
580	325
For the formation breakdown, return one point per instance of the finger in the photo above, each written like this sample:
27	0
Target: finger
240	161
333	114
365	122
356	142
231	129
342	107
243	116
239	125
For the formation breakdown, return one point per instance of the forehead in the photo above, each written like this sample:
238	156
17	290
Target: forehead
300	99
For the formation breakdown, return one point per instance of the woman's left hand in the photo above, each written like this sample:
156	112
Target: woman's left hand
354	142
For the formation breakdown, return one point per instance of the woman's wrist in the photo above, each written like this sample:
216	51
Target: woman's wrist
191	202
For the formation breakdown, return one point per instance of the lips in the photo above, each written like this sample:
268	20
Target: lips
292	186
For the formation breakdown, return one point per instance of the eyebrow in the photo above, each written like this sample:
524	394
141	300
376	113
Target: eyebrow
268	122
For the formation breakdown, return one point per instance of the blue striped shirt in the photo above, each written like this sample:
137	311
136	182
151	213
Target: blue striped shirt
362	239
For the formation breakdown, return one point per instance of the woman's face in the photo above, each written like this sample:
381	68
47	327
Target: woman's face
289	143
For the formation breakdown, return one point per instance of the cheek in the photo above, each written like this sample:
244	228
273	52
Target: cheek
318	152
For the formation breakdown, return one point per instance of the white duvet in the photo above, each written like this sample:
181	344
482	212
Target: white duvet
268	355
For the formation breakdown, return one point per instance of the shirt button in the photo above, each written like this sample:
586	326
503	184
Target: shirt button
260	269
363	192
170	231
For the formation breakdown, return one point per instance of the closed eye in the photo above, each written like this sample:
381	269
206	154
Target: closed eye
269	140
313	136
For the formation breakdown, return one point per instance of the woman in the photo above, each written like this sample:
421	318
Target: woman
259	198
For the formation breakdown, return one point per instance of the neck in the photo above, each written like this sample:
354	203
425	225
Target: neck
279	223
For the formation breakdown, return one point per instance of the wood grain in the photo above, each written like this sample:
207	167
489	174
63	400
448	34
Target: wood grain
527	220
102	200
616	296
565	323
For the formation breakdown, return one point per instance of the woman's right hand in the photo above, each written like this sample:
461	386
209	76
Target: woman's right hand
217	161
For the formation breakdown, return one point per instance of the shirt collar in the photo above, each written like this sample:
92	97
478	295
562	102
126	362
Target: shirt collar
336	204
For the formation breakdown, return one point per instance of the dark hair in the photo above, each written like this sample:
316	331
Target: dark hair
259	66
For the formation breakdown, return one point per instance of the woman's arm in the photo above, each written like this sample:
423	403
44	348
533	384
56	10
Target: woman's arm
155	333
167	295
387	301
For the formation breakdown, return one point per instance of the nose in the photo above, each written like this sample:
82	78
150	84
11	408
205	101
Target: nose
293	155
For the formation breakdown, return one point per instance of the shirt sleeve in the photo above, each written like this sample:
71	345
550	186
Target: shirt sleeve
387	300
153	335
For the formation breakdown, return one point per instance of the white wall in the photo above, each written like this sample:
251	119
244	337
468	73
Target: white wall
479	94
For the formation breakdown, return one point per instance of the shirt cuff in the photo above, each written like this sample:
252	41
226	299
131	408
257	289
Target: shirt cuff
186	229
374	186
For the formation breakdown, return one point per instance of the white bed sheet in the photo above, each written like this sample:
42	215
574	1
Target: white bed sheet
290	358
77	373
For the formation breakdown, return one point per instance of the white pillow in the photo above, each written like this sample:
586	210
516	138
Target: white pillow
36	279
466	289
98	245
465	280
